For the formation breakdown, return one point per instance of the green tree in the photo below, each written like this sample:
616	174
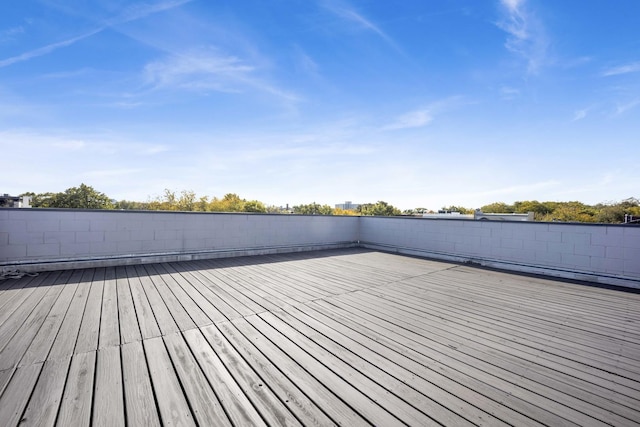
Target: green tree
572	212
41	200
202	204
380	208
254	206
130	205
313	209
347	212
498	207
186	201
233	203
539	209
615	212
460	209
272	209
82	197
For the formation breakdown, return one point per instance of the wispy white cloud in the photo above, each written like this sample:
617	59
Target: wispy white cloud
348	13
526	35
198	69
11	33
208	69
623	108
580	114
58	143
69	144
142	10
633	67
132	13
575	62
412	119
68	74
46	49
423	116
305	62
509	93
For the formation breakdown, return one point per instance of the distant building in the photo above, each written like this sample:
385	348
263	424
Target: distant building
348	206
7	201
447	215
479	215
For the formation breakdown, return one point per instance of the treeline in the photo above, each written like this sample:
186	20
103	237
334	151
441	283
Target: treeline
571	211
611	213
86	197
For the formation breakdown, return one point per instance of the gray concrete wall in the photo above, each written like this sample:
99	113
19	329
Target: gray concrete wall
608	254
39	239
45	239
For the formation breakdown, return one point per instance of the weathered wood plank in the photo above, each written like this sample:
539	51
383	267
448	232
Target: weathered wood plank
284	292
179	314
426	361
485	346
20	342
146	319
15	283
236	405
284	284
221	278
47	394
288	391
537	407
138	393
109	323
5	376
340	338
65	342
272	410
516	325
127	319
430	380
472	318
177	284
16	394
108	407
41	345
162	315
75	408
553	307
199	281
14	316
423	396
202	399
172	403
215	308
15	297
243	283
360	393
320	392
18	288
90	327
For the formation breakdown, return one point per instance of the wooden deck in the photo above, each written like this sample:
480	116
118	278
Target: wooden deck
350	337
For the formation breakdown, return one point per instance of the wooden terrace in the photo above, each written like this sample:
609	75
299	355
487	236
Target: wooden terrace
344	337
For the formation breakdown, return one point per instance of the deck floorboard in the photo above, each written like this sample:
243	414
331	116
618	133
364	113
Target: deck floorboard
339	337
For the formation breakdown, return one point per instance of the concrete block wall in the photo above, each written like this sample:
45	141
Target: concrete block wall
37	239
608	254
44	239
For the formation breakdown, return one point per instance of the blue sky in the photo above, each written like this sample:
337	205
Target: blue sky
418	103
